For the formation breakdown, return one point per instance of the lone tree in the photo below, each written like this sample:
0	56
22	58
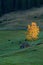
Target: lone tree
32	31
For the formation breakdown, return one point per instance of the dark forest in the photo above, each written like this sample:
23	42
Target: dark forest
15	5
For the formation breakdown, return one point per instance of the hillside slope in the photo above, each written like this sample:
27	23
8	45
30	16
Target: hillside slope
12	54
20	19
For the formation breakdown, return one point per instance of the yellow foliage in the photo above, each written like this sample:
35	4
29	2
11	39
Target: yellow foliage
32	31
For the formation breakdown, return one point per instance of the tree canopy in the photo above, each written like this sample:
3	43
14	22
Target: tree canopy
12	5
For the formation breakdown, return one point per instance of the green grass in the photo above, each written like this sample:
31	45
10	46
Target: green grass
8	54
14	36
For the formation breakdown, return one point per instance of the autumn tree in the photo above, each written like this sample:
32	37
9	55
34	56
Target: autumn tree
32	31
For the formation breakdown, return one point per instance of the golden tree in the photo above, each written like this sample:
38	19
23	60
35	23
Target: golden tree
32	31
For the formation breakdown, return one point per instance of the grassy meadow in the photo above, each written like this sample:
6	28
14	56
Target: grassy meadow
11	54
10	51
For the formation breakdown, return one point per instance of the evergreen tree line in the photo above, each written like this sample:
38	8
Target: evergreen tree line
14	5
